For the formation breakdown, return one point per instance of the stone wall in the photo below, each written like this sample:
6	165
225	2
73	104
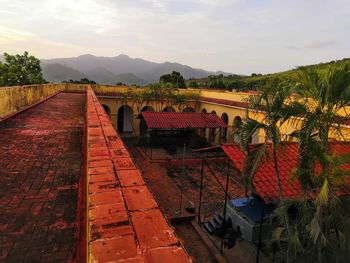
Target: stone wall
16	98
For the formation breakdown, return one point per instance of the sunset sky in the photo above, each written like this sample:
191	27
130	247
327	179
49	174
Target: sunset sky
237	36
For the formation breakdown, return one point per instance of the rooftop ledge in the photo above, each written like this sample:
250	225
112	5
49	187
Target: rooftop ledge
124	220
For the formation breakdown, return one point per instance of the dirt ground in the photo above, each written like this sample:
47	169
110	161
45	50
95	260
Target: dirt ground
175	184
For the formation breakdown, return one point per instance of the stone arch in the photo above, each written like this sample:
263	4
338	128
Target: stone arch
142	124
237	123
188	109
147	108
125	119
107	110
168	109
224	117
203	131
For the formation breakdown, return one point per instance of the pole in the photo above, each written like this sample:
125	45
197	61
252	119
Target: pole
260	231
200	191
226	192
150	142
182	176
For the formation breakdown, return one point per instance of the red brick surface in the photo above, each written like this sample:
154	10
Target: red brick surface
113	249
152	230
125	221
138	198
40	166
130	178
162	255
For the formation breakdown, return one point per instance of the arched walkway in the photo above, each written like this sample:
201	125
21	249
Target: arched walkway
125	119
188	109
142	124
224	117
107	110
168	109
237	123
148	108
203	131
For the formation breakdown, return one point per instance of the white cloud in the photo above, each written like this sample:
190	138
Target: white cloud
240	36
9	36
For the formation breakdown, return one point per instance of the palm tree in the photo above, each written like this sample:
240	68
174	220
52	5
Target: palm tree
330	93
277	110
253	156
320	231
273	102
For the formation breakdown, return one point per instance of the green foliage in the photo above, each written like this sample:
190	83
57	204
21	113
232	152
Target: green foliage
256	81
174	78
161	93
319	227
315	227
193	84
216	82
20	70
82	81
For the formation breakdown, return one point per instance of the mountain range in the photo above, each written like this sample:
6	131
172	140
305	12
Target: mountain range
111	70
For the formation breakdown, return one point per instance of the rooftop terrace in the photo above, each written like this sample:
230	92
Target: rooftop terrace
69	190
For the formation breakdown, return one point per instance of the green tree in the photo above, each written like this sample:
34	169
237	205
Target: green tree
194	84
174	78
81	81
320	232
20	70
252	155
161	92
273	101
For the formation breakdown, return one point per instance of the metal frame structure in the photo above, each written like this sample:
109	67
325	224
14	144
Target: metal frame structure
217	150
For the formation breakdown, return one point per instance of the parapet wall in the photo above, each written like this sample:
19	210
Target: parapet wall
16	98
124	220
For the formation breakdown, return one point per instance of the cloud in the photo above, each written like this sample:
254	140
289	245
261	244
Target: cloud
239	36
313	45
9	36
320	44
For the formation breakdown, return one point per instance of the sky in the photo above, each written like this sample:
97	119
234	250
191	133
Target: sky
236	36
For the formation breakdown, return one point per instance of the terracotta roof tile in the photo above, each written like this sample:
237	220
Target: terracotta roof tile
181	120
265	182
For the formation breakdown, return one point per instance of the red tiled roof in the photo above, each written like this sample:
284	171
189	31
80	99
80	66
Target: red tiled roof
181	120
265	179
226	102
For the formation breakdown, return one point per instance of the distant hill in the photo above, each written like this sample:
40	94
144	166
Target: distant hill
57	73
104	76
239	82
122	68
